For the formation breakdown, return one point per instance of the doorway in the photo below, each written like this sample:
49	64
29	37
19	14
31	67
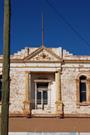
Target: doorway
41	95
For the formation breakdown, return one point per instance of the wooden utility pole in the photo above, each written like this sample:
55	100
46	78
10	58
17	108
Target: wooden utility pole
6	70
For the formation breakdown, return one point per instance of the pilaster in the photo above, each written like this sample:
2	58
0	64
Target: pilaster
59	104
88	90
27	101
77	92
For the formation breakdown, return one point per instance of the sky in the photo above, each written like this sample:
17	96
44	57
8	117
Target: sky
66	25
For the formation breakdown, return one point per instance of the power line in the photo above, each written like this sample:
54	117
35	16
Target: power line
68	23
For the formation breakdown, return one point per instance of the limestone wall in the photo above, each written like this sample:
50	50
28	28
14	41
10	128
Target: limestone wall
17	91
68	88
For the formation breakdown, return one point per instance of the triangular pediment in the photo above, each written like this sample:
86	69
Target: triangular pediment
42	55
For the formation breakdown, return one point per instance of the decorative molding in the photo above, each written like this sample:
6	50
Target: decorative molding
83	104
76	61
42	54
22	61
14	115
77	115
42	80
85	73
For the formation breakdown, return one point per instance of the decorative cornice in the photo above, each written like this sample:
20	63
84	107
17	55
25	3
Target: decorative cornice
76	61
58	61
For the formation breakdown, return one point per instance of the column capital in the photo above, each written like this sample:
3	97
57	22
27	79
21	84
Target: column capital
27	72
58	70
26	102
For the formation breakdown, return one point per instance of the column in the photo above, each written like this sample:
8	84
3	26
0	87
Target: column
35	95
88	90
59	104
78	93
27	109
49	97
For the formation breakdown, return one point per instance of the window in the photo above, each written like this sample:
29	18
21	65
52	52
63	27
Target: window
38	97
83	89
0	87
45	97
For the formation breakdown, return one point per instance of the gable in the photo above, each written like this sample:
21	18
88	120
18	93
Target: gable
42	54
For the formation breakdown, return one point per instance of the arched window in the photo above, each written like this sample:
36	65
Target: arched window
0	87
83	89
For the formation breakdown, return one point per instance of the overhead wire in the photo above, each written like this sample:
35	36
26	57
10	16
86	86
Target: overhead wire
67	23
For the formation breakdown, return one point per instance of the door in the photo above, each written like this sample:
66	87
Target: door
42	99
42	95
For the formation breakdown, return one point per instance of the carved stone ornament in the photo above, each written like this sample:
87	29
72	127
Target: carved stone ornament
43	56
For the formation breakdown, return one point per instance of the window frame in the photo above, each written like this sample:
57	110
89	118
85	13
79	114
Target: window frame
87	102
1	88
83	80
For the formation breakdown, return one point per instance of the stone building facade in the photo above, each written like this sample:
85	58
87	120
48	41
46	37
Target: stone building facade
48	82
